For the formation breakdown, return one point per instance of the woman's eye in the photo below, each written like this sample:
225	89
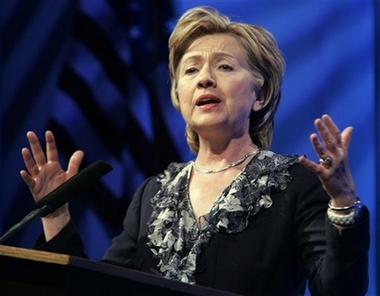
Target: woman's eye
226	67
190	70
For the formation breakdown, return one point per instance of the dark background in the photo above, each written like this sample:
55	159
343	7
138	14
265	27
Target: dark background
95	73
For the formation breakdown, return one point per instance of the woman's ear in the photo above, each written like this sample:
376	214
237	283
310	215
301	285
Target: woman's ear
259	102
176	90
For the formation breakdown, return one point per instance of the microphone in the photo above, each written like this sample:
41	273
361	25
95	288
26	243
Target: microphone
61	195
84	178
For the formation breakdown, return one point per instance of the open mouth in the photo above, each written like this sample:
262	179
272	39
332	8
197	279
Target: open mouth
207	101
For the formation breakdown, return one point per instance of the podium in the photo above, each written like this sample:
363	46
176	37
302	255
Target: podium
31	272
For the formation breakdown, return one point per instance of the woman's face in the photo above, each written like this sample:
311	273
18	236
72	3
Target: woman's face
215	85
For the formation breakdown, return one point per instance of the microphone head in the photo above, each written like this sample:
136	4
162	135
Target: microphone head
83	179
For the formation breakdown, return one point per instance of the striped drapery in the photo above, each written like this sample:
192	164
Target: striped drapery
95	73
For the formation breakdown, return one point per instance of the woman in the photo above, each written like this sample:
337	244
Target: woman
239	217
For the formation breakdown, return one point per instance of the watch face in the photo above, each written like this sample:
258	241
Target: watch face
358	210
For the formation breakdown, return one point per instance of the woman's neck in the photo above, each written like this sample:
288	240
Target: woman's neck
223	153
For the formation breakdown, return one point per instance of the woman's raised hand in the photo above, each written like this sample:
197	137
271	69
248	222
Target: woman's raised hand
44	173
333	168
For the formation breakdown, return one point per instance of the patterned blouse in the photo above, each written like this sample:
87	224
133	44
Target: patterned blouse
175	237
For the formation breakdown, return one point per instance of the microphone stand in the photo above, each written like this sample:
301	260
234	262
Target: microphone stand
61	194
20	225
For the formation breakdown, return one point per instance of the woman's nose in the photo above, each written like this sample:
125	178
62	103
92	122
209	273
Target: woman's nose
206	79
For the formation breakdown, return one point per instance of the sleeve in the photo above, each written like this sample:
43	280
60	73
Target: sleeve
124	248
67	241
336	262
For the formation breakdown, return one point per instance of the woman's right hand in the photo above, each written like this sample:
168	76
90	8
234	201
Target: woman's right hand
44	173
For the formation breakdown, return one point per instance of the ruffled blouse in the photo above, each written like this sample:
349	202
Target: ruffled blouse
175	237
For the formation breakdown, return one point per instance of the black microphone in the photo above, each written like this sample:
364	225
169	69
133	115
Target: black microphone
61	195
58	197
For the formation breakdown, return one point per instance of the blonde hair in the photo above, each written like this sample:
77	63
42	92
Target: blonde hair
264	57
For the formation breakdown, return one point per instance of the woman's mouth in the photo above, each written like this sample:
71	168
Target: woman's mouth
206	100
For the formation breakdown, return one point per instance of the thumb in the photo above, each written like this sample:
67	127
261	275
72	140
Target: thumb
346	136
74	163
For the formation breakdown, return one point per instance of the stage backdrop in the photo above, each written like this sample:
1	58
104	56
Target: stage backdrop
95	73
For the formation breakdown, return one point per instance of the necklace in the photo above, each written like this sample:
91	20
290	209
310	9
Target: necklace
232	164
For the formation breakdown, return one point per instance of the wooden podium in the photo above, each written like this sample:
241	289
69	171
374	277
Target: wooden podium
30	272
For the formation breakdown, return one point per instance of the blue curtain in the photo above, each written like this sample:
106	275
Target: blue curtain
95	73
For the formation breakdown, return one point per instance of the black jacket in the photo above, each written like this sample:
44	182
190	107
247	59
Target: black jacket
282	247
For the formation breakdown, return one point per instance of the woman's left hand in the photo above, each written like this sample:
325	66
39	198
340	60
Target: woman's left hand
333	168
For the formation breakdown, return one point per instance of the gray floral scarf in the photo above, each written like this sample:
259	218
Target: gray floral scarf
175	237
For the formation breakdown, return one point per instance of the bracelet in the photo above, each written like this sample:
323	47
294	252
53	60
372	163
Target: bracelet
341	220
347	219
343	209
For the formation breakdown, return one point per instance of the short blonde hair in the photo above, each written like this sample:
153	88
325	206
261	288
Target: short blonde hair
264	57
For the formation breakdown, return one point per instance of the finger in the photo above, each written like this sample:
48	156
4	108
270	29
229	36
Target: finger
27	178
74	163
35	146
311	165
319	148
333	128
325	160
51	147
328	139
29	161
346	137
